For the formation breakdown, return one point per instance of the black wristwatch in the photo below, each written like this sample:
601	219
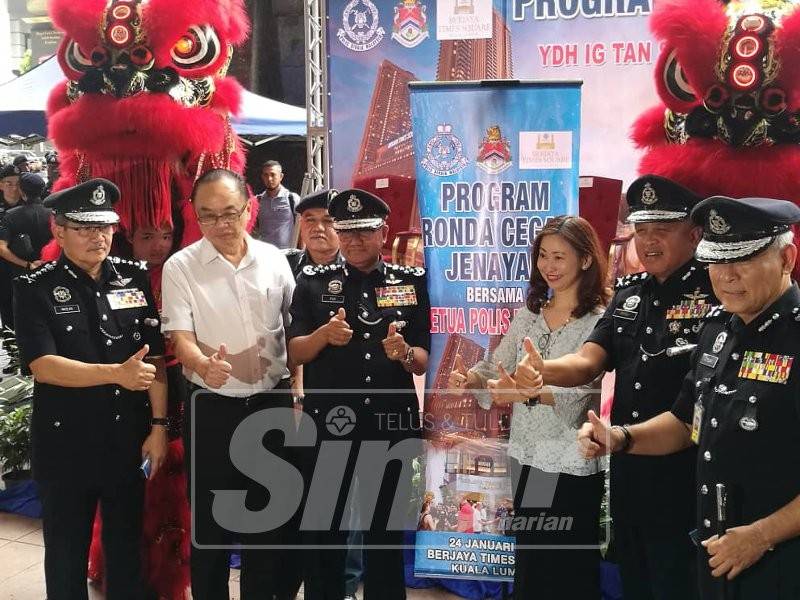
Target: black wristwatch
532	401
628	438
159	421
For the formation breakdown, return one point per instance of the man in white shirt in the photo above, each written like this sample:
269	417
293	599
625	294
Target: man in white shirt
226	302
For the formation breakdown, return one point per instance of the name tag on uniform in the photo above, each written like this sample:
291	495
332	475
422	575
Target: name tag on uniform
128	298
397	295
630	315
697	421
763	366
709	360
67	308
333	299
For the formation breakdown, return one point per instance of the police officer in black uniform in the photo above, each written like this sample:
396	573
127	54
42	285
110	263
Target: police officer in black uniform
85	325
644	335
25	229
740	404
361	326
319	240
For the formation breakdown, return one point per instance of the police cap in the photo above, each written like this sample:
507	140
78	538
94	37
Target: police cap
89	203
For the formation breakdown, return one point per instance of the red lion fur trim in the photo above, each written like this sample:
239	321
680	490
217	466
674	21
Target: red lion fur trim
694	29
787	40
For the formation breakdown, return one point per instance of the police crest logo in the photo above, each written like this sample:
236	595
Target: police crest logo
354	204
494	153
360	29
444	153
61	294
98	196
335	286
649	196
719	342
717	224
410	25
631	303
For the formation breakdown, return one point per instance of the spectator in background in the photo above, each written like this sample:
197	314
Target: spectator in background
9	185
465	517
21	162
25	229
275	223
52	169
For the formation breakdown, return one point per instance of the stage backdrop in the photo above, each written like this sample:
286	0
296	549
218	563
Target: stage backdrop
376	47
494	161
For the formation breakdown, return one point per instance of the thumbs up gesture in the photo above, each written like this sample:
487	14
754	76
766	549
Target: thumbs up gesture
394	344
217	368
337	330
528	375
503	390
135	374
595	438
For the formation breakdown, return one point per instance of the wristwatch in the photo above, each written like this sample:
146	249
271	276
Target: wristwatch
409	359
532	401
159	421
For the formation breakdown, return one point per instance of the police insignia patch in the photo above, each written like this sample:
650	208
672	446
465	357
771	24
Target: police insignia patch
62	294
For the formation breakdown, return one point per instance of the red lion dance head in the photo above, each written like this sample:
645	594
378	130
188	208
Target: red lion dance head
729	79
146	102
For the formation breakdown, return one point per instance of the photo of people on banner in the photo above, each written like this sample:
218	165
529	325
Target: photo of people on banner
491	185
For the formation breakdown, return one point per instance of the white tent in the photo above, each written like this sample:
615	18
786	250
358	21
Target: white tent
23	101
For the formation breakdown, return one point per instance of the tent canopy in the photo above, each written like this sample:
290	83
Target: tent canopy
23	101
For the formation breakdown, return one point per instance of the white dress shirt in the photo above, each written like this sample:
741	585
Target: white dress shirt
244	307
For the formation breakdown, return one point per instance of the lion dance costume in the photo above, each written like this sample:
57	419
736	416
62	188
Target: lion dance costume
146	104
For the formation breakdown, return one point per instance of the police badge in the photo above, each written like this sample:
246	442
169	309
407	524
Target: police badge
410	25
649	196
444	153
360	31
717	224
98	196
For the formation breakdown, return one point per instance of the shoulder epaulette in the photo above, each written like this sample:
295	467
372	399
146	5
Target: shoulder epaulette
320	269
407	270
141	264
32	277
628	280
716	311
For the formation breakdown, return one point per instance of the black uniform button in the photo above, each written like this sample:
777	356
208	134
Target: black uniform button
752	399
367	400
366	295
97	294
656	303
735	356
637	386
706	523
104	317
69	328
635	414
704	489
367	356
649	330
619	329
56	423
109	342
117	417
366	335
331	313
714	423
707	456
367	378
316	411
644	357
116	392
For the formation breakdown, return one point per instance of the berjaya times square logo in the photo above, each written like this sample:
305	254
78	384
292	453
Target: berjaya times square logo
444	153
410	25
360	31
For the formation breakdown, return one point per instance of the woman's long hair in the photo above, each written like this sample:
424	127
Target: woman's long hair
579	234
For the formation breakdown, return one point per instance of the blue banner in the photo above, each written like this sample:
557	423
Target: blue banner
494	160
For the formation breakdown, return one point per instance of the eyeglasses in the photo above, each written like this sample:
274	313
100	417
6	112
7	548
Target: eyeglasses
90	230
225	218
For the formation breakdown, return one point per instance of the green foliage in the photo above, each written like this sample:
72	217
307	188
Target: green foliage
26	62
15	438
